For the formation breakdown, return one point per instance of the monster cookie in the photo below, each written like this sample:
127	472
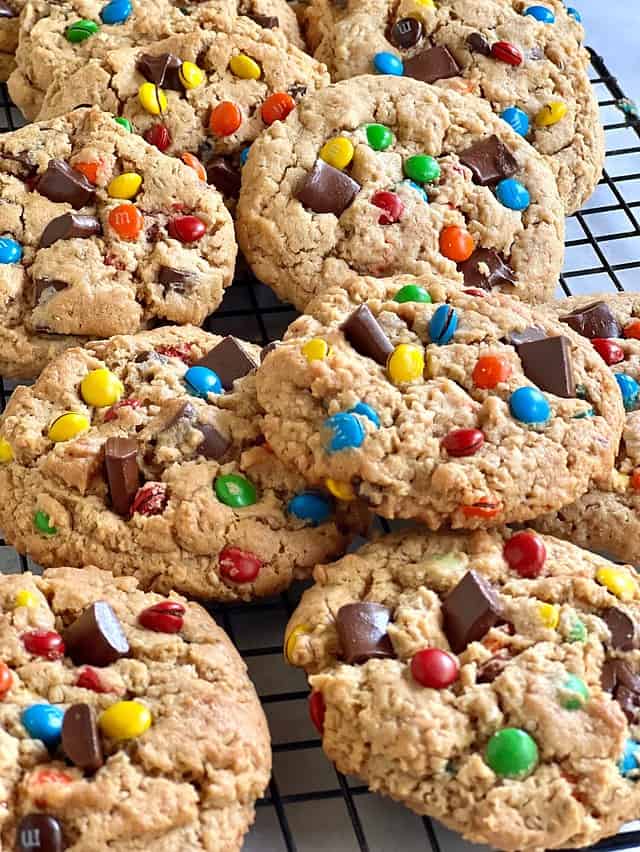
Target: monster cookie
440	404
127	720
145	453
101	234
489	681
385	175
58	37
525	59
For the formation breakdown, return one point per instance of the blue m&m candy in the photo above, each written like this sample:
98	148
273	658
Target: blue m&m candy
244	154
517	119
201	381
573	13
310	506
529	405
366	411
416	188
629	761
629	389
541	13
346	432
443	325
388	63
116	12
44	722
513	194
10	250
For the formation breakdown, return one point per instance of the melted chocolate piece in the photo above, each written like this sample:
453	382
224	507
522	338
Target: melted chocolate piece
229	361
547	363
469	611
489	160
68	226
622	628
123	477
367	337
267	22
594	320
362	630
434	63
59	182
96	637
162	69
6	11
270	347
327	190
224	176
406	33
496	274
80	738
493	668
214	444
177	280
477	43
42	286
297	91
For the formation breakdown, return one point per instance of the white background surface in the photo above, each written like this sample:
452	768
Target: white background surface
613	29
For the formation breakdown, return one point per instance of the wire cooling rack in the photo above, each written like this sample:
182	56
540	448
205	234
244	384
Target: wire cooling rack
309	806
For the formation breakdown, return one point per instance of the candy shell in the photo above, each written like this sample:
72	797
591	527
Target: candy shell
513	194
517	119
310	506
345	432
101	388
10	250
388	63
529	405
116	12
202	381
43	722
235	491
443	325
125	720
541	13
512	753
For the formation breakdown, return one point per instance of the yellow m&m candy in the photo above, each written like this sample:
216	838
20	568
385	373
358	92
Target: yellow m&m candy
6	453
68	426
245	67
551	113
101	388
25	598
125	720
618	582
125	185
190	75
315	349
152	98
340	490
298	631
549	615
406	364
338	152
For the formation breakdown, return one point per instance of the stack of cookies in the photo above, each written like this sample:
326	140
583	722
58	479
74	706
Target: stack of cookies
471	665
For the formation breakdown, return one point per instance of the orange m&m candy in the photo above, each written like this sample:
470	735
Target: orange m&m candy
277	107
456	243
489	371
89	170
127	221
6	680
225	119
193	162
633	330
482	509
635	479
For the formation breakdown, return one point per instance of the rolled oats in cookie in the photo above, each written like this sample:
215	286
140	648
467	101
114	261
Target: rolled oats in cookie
449	406
145	454
525	59
381	176
488	679
128	720
101	234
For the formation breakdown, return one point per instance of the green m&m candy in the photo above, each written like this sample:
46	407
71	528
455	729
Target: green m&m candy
512	753
42	522
80	30
573	694
124	122
412	293
235	491
379	136
422	168
578	632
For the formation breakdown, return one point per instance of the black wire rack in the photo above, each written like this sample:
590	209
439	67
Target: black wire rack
309	806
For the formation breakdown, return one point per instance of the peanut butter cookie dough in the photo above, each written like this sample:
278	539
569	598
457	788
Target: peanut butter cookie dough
525	59
440	404
488	680
128	720
382	175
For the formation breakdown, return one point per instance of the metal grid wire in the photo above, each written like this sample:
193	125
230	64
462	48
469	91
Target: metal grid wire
309	806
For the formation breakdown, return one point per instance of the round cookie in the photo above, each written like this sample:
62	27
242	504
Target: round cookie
59	37
439	404
127	720
381	176
101	234
607	517
487	681
145	453
535	71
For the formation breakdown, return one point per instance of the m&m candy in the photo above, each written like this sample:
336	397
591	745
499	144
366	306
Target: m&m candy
238	566
310	506
513	194
101	388
152	98
345	432
202	381
529	405
68	426
127	221
512	753
412	293
629	388
125	720
80	31
443	325
435	668
525	554
10	250
277	107
406	364
379	136
422	168
517	119
388	63
235	491
541	13
116	12
43	722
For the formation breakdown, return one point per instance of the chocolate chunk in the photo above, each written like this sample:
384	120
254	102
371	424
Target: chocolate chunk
362	630
6	11
270	347
406	33
622	628
96	637
495	272
327	190
162	69
434	63
595	320
123	477
59	182
214	444
618	673
39	833
364	333
477	43
80	738
224	176
177	280
494	667
547	363
490	161
268	22
469	611
527	335
229	360
68	226
297	91
44	288
629	701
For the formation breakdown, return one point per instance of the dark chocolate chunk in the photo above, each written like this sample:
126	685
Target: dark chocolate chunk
609	675
177	280
80	737
45	287
362	630
477	43
406	33
268	22
224	176
469	611
527	335
297	91
39	833
59	182
214	444
6	11
68	226
616	672
496	274
489	160
229	361
327	190
629	701
364	333
622	628
96	637
494	667
270	347
123	477
547	363
434	63
162	69
594	320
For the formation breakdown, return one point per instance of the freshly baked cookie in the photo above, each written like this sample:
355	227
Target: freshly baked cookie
127	720
607	517
525	59
101	234
445	405
491	682
382	175
145	454
59	36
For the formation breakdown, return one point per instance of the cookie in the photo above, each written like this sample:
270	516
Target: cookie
525	59
127	720
448	406
381	176
101	234
145	453
60	36
485	680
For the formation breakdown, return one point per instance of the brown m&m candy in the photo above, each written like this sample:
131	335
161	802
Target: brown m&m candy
486	269
326	189
362	630
229	361
96	637
364	333
123	477
434	63
81	739
489	160
596	320
68	226
39	833
59	182
469	611
406	33
547	363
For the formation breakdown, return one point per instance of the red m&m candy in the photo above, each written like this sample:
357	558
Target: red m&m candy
163	617
525	553
463	442
506	52
610	351
317	710
44	643
187	229
277	107
159	136
434	668
239	566
390	204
